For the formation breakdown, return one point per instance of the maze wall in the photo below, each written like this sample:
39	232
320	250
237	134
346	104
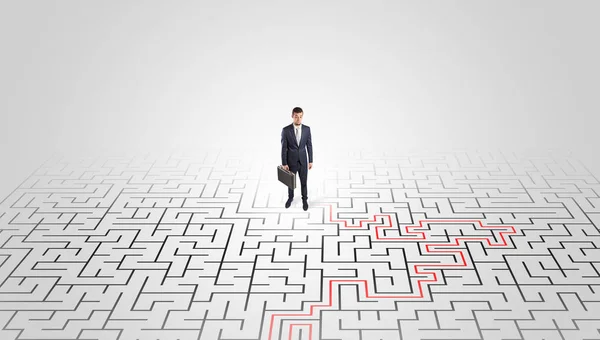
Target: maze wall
393	246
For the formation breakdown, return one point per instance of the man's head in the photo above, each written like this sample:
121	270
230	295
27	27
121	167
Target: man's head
297	115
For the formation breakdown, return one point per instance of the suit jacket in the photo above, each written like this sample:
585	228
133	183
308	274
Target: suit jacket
291	152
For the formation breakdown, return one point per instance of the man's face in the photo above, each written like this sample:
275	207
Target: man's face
297	117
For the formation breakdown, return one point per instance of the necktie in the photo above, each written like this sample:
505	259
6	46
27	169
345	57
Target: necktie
297	137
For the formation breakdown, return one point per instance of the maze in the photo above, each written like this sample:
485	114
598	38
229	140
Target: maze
461	245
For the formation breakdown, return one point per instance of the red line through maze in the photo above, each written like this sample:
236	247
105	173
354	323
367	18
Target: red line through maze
415	235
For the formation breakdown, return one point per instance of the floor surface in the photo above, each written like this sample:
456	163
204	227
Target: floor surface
393	246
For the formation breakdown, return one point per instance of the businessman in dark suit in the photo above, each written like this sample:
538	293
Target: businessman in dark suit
296	140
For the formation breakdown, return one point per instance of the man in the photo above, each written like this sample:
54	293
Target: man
295	141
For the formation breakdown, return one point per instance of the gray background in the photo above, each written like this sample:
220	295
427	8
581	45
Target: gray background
82	77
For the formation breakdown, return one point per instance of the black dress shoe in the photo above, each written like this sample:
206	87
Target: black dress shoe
289	202
304	205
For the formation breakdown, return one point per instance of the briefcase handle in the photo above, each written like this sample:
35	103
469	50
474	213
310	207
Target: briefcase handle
282	168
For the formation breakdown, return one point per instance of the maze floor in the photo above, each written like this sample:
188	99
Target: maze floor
393	246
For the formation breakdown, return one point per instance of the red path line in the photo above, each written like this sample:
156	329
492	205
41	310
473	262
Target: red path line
419	268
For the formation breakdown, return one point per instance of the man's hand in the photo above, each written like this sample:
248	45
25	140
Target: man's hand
287	167
309	166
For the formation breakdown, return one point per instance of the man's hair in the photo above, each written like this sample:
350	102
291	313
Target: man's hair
297	110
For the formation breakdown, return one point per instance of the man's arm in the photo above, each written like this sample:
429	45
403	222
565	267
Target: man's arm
284	148
309	147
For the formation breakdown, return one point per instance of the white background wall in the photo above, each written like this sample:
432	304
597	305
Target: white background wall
155	75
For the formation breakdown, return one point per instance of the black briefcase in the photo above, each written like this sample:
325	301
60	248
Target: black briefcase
286	177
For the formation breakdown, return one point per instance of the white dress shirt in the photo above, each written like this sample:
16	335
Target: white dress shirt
299	127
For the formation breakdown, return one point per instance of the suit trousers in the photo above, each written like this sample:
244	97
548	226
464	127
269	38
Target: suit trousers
303	170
